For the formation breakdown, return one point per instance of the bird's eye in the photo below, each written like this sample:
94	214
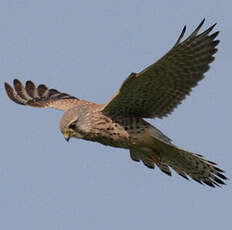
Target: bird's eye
72	126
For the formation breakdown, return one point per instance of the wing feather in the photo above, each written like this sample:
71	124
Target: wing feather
157	90
40	96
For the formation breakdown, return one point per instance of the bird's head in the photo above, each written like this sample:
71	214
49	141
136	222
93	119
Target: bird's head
76	122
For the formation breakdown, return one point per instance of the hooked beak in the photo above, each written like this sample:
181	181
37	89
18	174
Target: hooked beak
67	136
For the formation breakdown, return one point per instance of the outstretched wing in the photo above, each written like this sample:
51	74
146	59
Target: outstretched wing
157	90
40	96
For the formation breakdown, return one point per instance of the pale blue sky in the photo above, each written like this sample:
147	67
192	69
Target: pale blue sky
87	48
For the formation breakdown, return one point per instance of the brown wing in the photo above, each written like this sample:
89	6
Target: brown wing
39	96
157	90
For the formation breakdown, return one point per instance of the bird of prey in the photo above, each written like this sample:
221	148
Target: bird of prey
152	93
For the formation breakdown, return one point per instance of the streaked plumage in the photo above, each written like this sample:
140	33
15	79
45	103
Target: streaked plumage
153	93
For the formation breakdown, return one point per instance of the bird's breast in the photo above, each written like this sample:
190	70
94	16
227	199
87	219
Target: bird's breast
120	132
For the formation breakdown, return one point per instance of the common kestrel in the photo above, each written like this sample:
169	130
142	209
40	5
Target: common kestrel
153	93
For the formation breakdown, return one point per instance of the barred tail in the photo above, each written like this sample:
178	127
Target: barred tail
188	164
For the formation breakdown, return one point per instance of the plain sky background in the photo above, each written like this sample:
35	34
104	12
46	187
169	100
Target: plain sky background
87	48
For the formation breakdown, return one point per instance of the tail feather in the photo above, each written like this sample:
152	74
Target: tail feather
146	159
164	154
164	168
181	173
193	165
150	161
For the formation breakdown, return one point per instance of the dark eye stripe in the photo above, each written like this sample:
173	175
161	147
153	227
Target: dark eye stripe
72	126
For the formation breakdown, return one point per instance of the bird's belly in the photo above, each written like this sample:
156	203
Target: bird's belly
118	132
110	140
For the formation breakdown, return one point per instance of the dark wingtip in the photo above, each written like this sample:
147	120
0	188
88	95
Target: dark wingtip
202	22
166	172
198	181
181	36
7	86
149	166
42	89
214	25
219	181
214	35
222	176
11	93
209	183
219	170
30	84
195	32
9	90
16	82
30	88
185	177
210	28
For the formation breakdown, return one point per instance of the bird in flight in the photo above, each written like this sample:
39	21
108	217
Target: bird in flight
152	93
